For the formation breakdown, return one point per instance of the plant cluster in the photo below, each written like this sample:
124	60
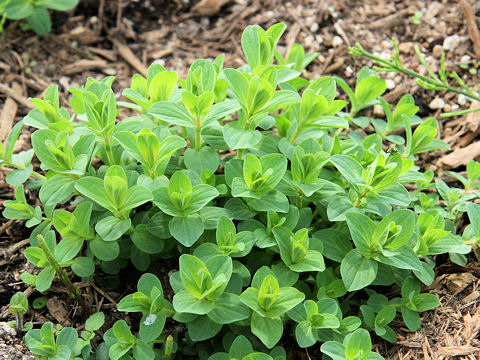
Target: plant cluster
286	219
35	11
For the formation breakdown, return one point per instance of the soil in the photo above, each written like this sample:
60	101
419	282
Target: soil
120	38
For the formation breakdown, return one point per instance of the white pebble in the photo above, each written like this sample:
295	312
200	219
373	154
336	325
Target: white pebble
349	71
447	108
465	59
385	56
451	42
436	104
390	84
462	100
378	110
314	28
455	107
386	44
308	40
337	41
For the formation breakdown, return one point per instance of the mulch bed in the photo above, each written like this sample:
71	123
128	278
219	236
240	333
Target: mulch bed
120	38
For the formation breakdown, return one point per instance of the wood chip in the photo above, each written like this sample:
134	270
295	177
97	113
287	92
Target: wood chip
155	35
469	14
7	116
57	309
458	282
461	156
472	120
107	54
209	7
84	65
130	57
390	21
17	96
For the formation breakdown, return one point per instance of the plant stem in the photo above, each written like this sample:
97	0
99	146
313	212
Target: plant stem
198	137
391	66
108	149
62	275
20	167
240	153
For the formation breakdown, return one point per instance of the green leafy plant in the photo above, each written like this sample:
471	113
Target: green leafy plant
284	226
35	11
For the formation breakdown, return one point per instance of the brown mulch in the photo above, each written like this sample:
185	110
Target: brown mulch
120	38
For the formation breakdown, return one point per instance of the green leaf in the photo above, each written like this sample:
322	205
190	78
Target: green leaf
268	330
424	302
172	113
40	21
202	328
186	230
95	321
60	5
93	188
111	228
20	9
358	345
368	89
237	137
199	160
357	271
227	309
83	267
45	278
104	250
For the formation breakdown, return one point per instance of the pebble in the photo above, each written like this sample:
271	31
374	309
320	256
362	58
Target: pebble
465	59
437	51
447	108
406	47
337	41
385	56
386	44
390	84
349	71
308	40
397	79
451	42
462	100
314	27
436	104
6	330
378	110
319	39
455	107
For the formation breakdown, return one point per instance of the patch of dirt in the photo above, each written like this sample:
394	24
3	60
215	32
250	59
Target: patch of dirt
109	37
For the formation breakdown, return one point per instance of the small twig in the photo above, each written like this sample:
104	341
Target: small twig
6	226
469	14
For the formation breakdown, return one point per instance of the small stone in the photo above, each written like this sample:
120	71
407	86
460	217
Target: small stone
437	51
309	21
308	40
455	107
314	28
406	47
451	42
397	79
319	39
447	108
6	330
462	100
436	104
465	59
378	110
390	84
337	41
386	44
349	71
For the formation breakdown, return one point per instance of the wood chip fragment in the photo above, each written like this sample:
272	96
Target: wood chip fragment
7	116
130	57
155	35
17	96
57	309
84	65
390	21
461	156
209	7
469	15
107	54
472	120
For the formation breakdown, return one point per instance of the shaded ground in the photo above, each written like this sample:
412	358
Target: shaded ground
123	37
